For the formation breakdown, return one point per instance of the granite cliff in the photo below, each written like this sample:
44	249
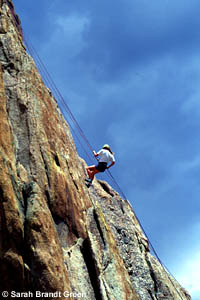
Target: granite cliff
56	235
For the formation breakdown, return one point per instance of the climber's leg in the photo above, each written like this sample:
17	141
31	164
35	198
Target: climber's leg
91	170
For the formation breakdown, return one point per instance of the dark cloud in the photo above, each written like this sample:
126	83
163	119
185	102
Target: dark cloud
120	39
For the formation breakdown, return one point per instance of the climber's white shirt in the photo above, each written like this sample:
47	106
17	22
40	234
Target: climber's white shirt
105	156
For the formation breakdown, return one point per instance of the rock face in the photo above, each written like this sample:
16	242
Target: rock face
56	235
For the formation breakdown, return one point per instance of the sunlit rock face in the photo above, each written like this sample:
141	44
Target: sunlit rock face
56	235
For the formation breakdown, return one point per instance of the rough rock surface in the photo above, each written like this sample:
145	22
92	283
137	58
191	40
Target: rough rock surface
56	235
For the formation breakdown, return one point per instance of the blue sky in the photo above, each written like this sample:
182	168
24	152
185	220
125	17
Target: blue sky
130	71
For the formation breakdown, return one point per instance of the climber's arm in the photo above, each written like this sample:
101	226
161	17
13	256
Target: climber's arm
111	164
95	154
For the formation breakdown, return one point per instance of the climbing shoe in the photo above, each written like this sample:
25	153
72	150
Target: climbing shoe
88	184
88	180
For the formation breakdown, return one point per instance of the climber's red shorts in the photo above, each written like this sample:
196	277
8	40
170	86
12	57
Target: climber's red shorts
101	167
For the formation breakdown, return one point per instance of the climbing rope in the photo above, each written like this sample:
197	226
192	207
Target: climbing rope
47	78
51	84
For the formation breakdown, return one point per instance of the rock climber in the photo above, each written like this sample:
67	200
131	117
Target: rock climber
106	156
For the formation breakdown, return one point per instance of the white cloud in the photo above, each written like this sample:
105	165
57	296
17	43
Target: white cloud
192	104
190	278
72	25
188	274
68	33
